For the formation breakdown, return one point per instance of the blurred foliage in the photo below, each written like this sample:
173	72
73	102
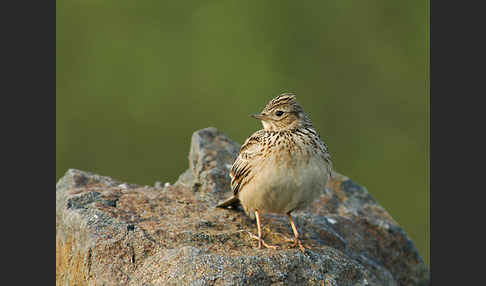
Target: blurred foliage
134	80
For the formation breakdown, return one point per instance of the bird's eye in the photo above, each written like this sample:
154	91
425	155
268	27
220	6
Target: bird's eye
279	113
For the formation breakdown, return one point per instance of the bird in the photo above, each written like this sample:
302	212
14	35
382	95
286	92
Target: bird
281	168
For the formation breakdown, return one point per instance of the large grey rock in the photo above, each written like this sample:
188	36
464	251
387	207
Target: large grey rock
114	233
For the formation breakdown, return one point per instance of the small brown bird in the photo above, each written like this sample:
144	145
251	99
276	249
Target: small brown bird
281	168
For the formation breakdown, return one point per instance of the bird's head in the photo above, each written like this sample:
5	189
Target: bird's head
283	113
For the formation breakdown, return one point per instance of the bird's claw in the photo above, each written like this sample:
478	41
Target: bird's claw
298	242
262	242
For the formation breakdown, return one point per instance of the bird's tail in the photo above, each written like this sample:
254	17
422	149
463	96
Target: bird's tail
231	202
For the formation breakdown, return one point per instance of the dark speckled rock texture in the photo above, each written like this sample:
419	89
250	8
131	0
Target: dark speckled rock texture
114	233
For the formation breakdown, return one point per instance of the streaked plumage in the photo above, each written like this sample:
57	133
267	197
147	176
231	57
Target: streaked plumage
281	168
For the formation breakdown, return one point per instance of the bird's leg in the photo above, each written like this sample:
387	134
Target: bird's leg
259	238
297	240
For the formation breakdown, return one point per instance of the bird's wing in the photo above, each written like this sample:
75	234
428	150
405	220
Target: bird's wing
242	171
324	150
326	155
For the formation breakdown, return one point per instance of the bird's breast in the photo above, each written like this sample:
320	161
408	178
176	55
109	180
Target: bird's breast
284	182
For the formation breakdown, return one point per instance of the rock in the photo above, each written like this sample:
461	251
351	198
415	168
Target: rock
114	233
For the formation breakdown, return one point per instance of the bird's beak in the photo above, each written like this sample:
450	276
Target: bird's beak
257	116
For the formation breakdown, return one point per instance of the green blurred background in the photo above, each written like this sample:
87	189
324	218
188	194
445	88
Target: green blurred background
134	80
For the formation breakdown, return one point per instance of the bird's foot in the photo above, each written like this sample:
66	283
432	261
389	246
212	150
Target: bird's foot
298	242
262	242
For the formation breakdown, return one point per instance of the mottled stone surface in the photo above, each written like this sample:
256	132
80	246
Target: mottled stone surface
114	233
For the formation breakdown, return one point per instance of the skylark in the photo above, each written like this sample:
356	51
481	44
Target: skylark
281	168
